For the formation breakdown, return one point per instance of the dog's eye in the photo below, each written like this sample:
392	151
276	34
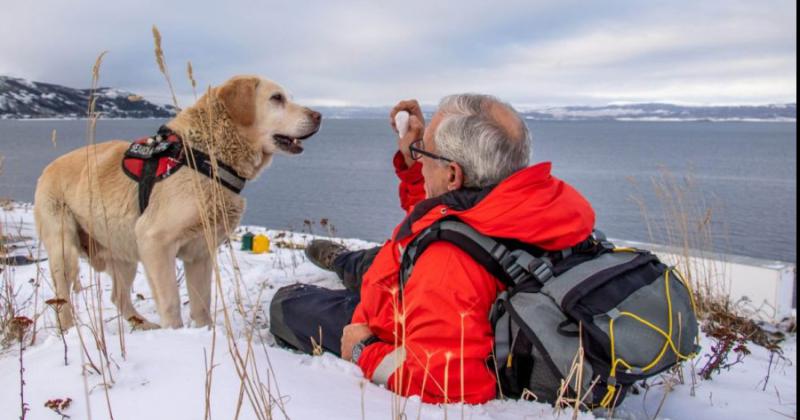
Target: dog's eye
277	97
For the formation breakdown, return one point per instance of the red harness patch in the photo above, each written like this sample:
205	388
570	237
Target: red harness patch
168	153
151	159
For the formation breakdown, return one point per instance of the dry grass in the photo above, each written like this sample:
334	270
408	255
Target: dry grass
684	220
574	382
258	386
262	393
316	346
190	75
162	65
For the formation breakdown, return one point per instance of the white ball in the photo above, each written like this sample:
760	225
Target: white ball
401	122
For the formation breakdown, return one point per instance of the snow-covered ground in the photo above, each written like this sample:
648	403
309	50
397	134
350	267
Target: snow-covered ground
177	374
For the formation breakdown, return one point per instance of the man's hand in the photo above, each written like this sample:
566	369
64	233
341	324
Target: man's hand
351	335
416	126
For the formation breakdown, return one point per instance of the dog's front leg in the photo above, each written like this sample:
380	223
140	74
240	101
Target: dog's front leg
157	251
198	282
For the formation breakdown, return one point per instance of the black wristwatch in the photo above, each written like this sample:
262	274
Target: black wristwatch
361	345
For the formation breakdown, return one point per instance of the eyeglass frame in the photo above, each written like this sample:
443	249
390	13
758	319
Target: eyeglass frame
422	152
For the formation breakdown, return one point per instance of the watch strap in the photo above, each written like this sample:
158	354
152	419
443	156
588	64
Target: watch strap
359	347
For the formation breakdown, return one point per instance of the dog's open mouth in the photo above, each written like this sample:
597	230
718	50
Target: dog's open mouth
291	145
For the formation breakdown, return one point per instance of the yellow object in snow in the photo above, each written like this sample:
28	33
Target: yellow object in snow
260	244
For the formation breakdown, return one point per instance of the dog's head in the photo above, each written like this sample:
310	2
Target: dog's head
263	110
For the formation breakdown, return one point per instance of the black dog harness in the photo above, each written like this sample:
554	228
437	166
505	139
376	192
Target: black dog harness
151	159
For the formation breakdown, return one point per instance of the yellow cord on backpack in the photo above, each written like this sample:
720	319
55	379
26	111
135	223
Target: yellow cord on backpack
624	249
611	387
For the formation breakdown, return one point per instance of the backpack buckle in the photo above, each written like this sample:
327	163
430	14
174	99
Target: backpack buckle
601	240
520	265
540	269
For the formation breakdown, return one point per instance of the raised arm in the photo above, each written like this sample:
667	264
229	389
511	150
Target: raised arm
409	171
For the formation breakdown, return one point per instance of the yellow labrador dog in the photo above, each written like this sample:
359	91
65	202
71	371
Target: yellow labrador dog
86	205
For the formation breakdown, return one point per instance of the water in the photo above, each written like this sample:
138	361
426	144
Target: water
744	172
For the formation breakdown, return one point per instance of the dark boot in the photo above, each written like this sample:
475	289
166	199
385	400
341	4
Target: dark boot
323	253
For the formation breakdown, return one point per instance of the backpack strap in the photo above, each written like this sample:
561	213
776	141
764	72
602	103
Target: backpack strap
511	267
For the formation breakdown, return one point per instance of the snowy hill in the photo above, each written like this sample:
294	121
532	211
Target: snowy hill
628	112
667	112
20	98
235	371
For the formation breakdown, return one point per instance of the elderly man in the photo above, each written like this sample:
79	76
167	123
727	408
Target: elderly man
435	338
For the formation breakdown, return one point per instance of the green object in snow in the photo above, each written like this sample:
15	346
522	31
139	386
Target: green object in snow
247	241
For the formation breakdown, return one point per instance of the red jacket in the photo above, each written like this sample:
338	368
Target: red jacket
442	351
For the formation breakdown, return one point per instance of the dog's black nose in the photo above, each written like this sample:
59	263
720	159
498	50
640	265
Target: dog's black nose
315	116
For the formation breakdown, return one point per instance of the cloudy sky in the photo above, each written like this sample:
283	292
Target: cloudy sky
531	53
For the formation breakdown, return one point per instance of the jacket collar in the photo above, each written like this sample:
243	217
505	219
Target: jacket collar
467	198
462	199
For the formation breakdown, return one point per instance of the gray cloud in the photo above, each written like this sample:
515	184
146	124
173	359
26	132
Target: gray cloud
374	53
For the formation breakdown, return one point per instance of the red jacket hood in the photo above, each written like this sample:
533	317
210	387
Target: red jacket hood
531	206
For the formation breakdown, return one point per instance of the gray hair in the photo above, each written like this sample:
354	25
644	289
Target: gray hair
470	134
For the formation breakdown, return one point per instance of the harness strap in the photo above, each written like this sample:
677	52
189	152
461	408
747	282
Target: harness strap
201	162
147	182
225	175
147	157
167	144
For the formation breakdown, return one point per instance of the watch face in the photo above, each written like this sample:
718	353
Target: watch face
357	351
359	347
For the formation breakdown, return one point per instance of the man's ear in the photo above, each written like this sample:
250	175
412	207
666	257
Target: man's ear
455	176
239	97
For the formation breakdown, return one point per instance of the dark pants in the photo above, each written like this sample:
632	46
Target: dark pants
351	266
303	316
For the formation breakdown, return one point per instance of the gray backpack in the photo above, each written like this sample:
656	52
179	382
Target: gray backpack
629	315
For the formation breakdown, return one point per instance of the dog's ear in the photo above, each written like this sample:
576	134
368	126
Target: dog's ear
239	98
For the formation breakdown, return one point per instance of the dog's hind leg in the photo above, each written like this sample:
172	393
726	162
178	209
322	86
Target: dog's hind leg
58	231
123	273
198	282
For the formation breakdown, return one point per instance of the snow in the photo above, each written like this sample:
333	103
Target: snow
24	97
562	113
162	373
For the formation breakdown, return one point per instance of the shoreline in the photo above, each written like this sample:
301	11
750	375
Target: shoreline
369	117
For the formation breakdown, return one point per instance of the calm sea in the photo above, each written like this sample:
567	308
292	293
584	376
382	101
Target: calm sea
739	176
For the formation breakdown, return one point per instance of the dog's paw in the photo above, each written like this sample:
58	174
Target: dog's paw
141	324
201	323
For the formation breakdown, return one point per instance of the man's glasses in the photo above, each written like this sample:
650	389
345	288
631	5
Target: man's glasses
417	149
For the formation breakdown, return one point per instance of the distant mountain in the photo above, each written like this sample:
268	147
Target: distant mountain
628	112
666	112
21	99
